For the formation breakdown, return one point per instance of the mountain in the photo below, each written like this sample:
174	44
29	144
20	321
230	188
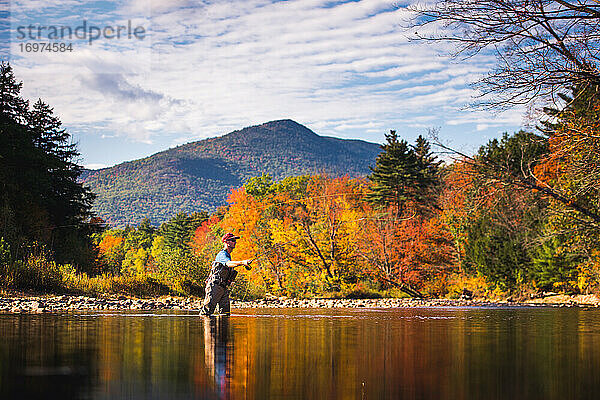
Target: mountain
199	175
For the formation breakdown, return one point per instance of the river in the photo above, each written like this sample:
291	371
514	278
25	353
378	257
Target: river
413	353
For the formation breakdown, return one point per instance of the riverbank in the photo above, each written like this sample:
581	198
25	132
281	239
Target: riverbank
40	304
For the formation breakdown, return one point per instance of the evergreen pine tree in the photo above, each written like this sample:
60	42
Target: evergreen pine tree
430	175
12	106
22	216
143	236
402	173
429	163
553	267
48	133
40	197
179	230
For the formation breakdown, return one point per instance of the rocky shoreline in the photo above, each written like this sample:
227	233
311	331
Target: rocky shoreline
44	304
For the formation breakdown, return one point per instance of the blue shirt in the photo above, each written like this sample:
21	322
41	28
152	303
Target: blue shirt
223	256
215	272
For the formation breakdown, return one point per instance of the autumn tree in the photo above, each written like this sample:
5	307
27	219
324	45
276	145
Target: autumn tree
304	230
247	217
572	166
572	169
111	251
138	242
497	226
206	242
327	226
405	178
545	49
413	253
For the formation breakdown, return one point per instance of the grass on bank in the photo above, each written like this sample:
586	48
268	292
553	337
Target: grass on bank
38	274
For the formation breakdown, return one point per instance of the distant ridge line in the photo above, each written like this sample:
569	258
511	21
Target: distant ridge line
199	175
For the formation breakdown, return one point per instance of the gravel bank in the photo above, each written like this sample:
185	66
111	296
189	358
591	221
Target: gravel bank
39	304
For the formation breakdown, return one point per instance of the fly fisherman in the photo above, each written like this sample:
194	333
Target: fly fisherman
222	274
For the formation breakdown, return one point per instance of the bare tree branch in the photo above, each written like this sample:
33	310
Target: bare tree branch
542	46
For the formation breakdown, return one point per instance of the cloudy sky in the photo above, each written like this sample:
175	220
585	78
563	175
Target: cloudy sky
202	69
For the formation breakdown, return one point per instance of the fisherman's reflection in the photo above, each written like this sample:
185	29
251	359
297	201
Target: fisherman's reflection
218	353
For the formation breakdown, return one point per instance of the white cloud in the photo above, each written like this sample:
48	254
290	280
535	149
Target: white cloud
207	68
95	166
485	120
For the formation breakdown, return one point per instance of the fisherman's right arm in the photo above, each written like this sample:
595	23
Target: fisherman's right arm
224	258
234	264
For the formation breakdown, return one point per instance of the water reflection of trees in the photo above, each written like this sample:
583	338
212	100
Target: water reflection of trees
41	358
412	354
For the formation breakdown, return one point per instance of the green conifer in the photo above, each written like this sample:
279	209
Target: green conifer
403	173
40	198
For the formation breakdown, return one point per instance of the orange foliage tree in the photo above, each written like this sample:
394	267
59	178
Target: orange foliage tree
315	234
319	233
206	241
417	251
304	231
111	252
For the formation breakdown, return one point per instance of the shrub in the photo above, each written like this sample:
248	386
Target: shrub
138	285
35	273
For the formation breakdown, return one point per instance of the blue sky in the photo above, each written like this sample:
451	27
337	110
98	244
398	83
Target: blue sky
203	69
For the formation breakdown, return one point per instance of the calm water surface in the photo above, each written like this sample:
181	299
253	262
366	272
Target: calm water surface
483	353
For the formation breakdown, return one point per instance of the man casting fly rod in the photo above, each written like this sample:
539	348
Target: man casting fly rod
222	274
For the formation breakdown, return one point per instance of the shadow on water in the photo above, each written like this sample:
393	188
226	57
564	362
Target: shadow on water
37	361
303	354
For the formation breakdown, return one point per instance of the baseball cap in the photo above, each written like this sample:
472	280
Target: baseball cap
229	236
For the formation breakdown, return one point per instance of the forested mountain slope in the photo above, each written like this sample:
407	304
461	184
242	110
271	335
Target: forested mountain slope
199	175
